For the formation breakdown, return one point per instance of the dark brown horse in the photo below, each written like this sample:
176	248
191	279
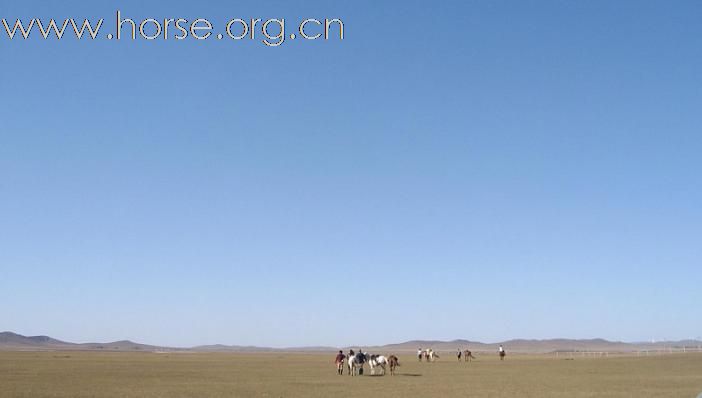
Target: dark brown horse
468	356
394	363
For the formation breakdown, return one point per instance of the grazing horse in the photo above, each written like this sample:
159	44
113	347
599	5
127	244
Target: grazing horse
377	361
394	363
468	356
356	362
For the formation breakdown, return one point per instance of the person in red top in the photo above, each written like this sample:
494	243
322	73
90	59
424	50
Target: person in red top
340	362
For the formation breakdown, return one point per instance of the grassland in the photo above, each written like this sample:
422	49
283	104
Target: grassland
95	374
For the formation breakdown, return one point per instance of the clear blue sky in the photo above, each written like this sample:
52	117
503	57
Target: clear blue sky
483	170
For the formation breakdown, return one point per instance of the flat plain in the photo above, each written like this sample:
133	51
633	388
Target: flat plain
103	374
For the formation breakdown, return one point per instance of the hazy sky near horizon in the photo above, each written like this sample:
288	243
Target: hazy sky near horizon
482	170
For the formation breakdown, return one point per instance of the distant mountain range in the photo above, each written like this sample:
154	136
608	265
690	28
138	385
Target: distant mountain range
544	346
16	342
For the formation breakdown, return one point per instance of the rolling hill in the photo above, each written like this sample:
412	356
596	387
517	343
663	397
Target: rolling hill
10	341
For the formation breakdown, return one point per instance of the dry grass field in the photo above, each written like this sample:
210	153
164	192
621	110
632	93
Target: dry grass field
149	375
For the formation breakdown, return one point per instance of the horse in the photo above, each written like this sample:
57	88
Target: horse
433	356
377	361
355	363
468	356
502	355
394	363
429	355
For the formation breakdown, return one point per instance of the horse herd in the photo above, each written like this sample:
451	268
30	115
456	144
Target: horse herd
354	362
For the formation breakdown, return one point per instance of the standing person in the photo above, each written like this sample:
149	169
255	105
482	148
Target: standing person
458	354
419	354
339	361
361	359
501	351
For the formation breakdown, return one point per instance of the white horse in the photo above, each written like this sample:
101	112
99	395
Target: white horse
355	363
430	356
377	361
433	356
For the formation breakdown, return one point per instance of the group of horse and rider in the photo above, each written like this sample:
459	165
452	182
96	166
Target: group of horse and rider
468	355
355	361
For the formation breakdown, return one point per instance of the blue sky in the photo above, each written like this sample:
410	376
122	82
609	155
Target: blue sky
481	170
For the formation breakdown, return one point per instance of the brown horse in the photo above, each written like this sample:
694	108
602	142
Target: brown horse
502	355
468	356
394	363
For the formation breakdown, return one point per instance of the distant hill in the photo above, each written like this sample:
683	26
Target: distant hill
10	341
123	345
15	342
540	346
238	348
